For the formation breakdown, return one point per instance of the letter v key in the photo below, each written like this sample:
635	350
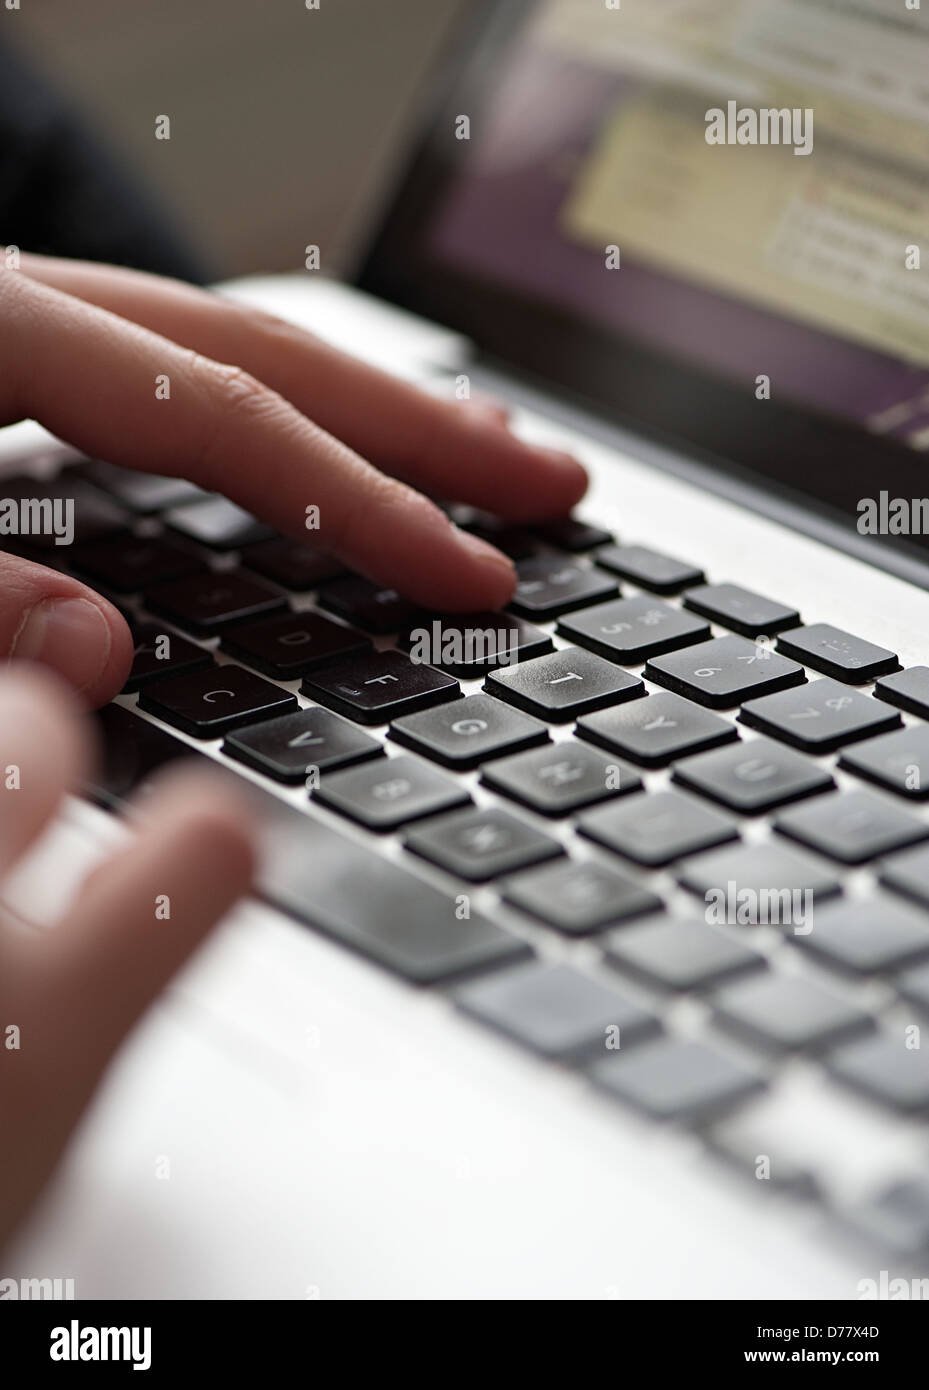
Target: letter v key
306	739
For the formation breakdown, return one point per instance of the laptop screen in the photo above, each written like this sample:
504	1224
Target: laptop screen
689	209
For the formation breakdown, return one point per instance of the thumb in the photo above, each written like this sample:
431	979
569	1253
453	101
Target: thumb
58	622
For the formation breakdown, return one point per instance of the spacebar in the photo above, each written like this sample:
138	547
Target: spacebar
371	905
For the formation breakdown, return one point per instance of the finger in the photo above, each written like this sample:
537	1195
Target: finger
42	755
46	617
143	911
455	450
91	378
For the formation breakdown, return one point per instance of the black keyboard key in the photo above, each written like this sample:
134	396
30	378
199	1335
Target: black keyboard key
287	748
368	606
898	761
630	630
656	730
563	685
852	826
217	523
788	1013
142	493
749	1136
468	645
908	873
207	704
648	568
663	827
819	716
759	885
561	778
580	896
570	534
887	1069
290	644
132	750
550	585
374	906
467	733
678	1080
391	792
129	564
752	777
913	985
676	955
896	1219
724	672
556	1011
868	936
206	603
837	653
376	687
907	689
158	654
291	564
744	612
480	845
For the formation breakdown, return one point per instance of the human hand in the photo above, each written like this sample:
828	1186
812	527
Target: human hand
70	994
270	416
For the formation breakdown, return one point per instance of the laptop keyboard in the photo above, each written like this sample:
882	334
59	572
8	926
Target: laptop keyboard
603	768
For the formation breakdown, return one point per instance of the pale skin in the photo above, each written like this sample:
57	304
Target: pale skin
276	420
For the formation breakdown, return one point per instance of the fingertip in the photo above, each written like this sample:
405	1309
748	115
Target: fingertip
496	593
208	807
518	479
572	476
117	660
225	826
560	482
488	579
225	842
81	637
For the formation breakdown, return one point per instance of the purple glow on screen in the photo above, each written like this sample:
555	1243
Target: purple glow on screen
500	221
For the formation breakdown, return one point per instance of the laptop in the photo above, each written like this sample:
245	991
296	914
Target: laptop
591	953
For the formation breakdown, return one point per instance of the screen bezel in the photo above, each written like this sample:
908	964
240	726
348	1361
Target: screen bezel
667	399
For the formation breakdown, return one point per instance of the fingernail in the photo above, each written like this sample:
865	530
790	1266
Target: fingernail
482	551
71	635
